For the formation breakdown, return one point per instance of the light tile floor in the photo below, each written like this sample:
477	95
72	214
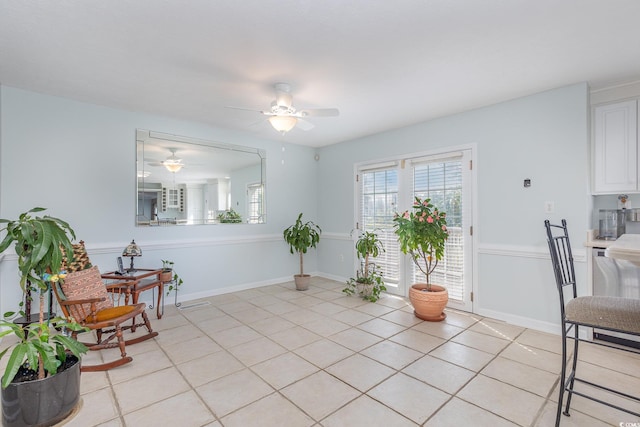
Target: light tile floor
278	357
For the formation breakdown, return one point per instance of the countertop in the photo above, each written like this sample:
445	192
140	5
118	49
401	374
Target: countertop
592	242
626	247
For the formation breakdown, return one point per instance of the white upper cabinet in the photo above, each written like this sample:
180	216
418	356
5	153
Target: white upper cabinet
615	155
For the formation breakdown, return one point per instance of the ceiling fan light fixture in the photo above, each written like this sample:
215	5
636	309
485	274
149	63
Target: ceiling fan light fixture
283	124
173	162
173	167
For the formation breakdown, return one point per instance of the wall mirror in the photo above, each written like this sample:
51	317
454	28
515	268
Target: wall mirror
188	181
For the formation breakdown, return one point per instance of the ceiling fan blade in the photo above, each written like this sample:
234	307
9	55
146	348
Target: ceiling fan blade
319	112
244	109
304	125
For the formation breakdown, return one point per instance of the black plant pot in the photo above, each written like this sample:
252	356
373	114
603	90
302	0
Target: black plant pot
42	402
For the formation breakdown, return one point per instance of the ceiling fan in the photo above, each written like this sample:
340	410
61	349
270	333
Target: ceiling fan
172	163
283	116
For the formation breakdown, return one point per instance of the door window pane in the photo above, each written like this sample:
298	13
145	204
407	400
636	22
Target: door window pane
442	183
379	198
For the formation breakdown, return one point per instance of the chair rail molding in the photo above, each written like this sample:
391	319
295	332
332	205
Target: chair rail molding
113	247
336	236
518	251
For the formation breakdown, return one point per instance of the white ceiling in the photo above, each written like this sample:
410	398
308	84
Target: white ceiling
385	64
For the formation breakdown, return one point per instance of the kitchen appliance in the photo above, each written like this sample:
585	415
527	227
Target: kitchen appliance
615	278
612	223
632	221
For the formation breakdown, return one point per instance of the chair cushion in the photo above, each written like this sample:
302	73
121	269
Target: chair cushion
80	259
112	313
605	312
85	284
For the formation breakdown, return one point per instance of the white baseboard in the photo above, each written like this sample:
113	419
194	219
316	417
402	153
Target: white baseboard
182	297
331	277
525	322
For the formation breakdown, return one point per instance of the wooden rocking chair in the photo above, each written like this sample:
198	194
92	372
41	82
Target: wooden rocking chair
83	296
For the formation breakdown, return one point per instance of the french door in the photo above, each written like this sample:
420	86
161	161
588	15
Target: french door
390	187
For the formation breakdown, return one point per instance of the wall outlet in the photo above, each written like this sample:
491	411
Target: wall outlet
549	207
341	258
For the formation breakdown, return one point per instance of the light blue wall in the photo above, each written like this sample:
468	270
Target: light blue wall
78	161
543	137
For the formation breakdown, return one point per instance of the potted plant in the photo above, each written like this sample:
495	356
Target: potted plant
41	382
168	275
422	233
300	237
368	282
229	217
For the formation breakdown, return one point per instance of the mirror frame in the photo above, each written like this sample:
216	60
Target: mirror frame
211	187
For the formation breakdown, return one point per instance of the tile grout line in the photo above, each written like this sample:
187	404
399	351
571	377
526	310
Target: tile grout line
330	336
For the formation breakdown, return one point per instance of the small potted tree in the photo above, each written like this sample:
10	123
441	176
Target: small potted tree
422	234
41	382
300	237
368	282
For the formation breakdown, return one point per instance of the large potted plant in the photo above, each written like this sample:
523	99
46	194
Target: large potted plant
368	282
41	382
301	236
422	233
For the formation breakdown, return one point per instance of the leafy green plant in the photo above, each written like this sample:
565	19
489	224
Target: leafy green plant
422	233
302	236
167	265
229	216
176	281
368	281
38	349
39	243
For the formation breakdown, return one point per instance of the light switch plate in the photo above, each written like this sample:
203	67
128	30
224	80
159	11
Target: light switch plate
549	207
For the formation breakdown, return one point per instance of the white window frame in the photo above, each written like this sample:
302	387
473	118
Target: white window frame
404	181
252	187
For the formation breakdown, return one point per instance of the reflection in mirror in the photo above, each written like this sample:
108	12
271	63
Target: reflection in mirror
183	181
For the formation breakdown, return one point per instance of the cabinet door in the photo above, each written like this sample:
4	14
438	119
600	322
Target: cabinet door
615	148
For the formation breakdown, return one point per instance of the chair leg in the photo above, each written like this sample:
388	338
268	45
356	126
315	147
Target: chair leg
563	375
124	359
572	375
147	323
121	344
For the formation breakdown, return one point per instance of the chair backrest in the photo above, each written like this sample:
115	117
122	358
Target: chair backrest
561	257
84	284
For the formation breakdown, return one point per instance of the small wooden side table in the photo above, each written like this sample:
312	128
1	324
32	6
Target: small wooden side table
140	280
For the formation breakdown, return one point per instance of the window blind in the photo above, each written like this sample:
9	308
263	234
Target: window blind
441	181
378	202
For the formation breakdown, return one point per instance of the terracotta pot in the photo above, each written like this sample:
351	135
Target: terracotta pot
302	281
166	276
429	305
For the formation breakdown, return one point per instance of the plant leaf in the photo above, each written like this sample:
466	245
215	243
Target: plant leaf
15	361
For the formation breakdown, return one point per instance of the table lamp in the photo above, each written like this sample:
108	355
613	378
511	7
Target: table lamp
132	250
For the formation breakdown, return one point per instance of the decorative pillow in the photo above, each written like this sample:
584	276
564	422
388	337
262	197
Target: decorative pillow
85	284
80	259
